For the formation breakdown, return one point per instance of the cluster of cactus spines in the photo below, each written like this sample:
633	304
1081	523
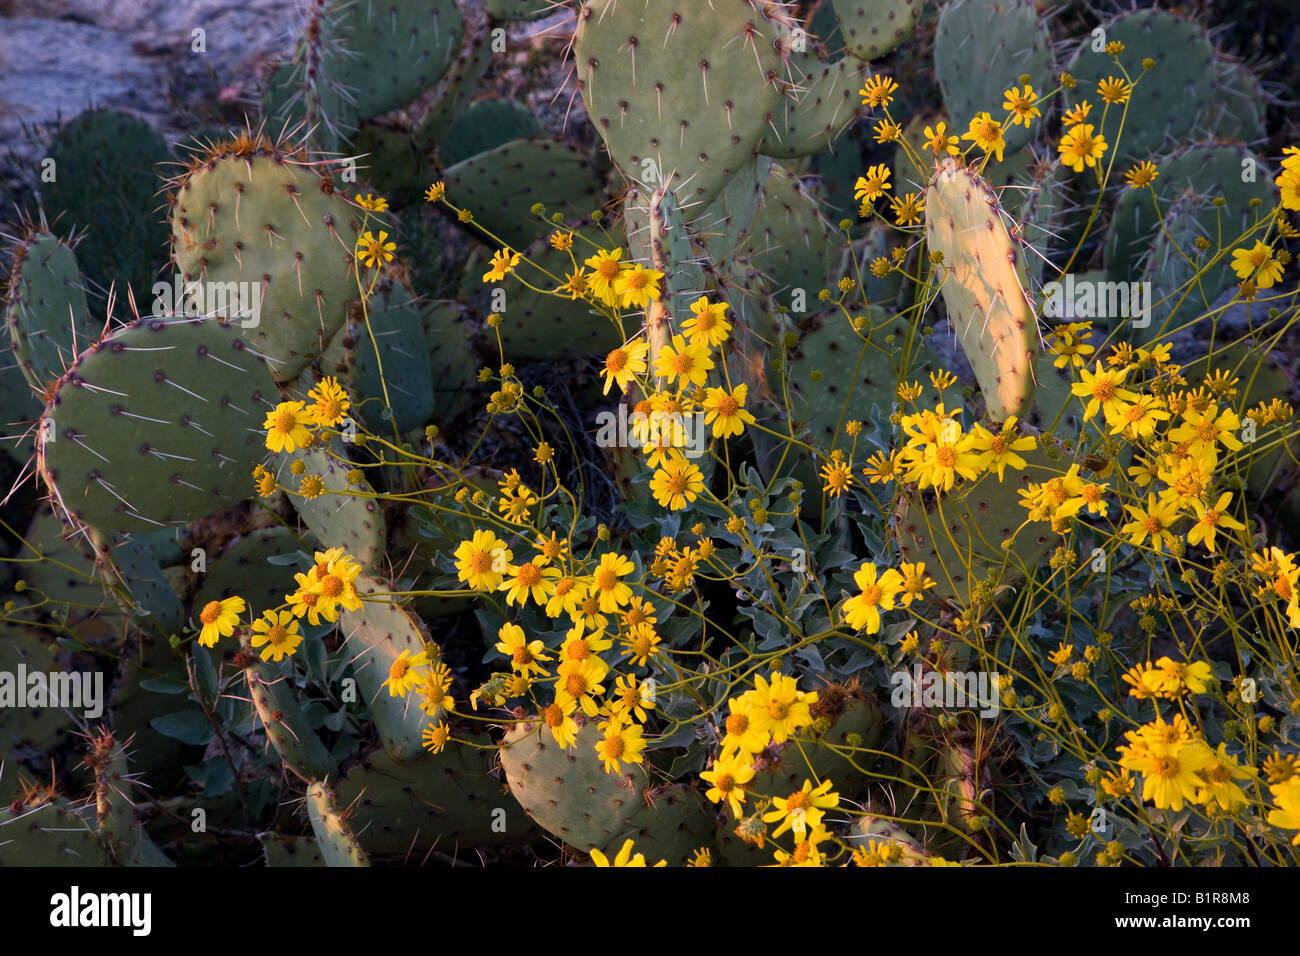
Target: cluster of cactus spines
45	308
105	168
346	513
334	835
1184	72
1040	209
155	423
114	807
788	240
287	730
983	46
820	100
258	222
544	776
132	562
961	538
985	286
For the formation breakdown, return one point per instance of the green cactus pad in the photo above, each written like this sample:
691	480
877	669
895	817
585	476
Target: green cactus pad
274	226
107	168
286	851
446	800
286	727
821	100
394	358
46	309
871	28
501	186
339	517
451	357
484	126
334	836
1184	73
376	636
789	241
679	93
981	49
31	730
985	287
667	822
49	835
159	423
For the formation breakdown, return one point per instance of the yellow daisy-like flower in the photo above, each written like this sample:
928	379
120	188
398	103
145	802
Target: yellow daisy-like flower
780	709
1143	174
405	673
727	779
878	91
563	241
708	322
483	561
743	734
624	857
502	264
433	689
373	203
986	133
914	582
286	427
605	268
558	717
1154	521
635	287
640	644
907	210
625	363
330	402
837	475
1080	147
1210	519
726	411
1287	815
530	579
435	192
1103	390
605	584
219	619
803	809
1076	115
1114	90
677	484
1257	263
372	249
1021	104
872	186
684	362
620	742
876	592
939	142
278	630
435	736
526	656
1169	771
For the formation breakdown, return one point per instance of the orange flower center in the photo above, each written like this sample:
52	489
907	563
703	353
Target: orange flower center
727	406
211	611
737	724
614	747
946	456
480	562
554	716
778	709
576	684
1166	767
616	361
798	801
277	634
331	585
606	579
1103	390
529	574
871	594
285	421
398	669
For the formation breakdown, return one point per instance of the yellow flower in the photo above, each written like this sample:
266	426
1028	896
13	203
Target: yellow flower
1143	174
625	363
278	630
379	204
405	673
1177	677
605	583
330	402
286	427
780	709
635	287
605	268
887	131
530	579
907	210
677	484
623	858
1103	390
503	263
1080	147
684	362
708	322
1154	521
516	505
435	736
836	474
1287	815
641	644
631	698
1021	103
914	582
620	742
986	133
433	690
938	142
1169	770
1076	115
743	734
558	716
727	779
726	411
562	240
876	592
802	809
373	250
1257	263
878	91
997	450
873	185
1210	520
435	192
1114	90
483	561
219	619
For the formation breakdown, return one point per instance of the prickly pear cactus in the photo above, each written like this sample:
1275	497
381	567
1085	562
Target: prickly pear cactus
984	286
